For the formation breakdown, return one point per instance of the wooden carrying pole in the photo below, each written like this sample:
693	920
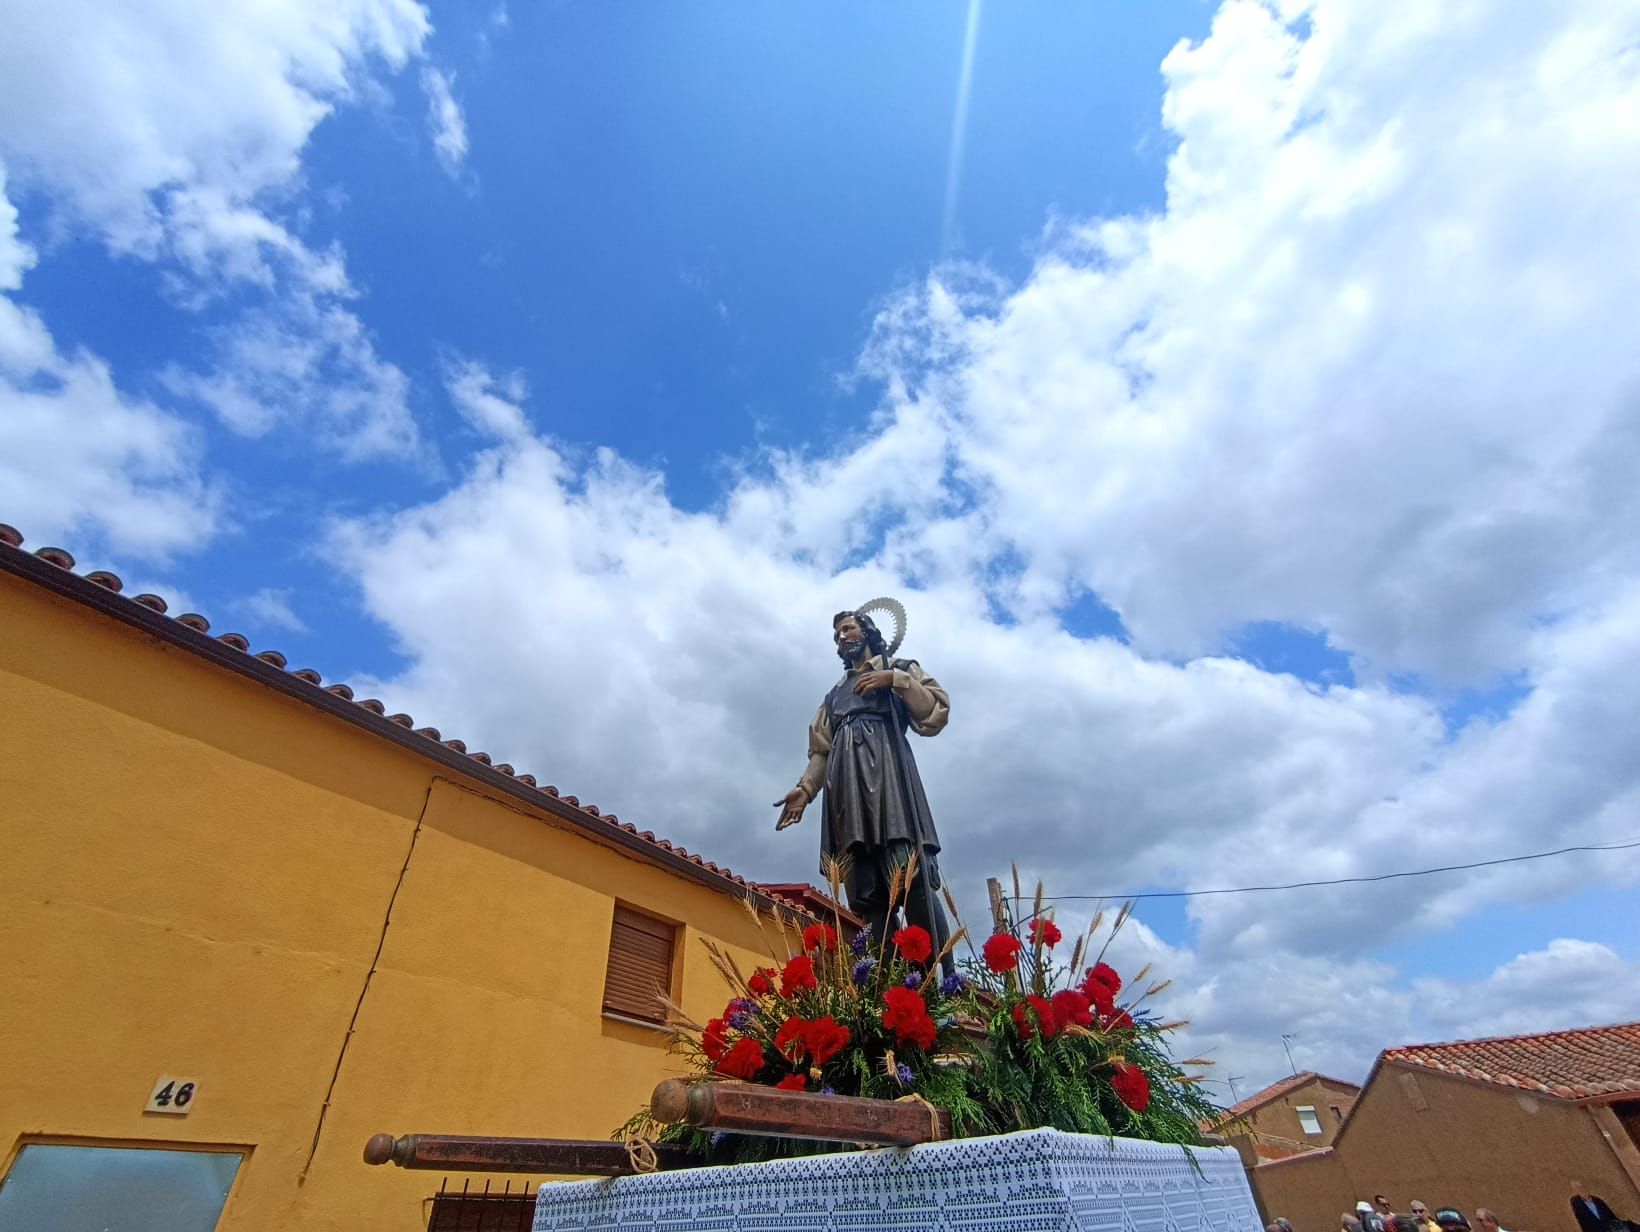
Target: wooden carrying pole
556	1156
744	1108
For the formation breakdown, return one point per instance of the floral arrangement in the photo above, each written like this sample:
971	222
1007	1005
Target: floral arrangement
1068	1045
1010	1038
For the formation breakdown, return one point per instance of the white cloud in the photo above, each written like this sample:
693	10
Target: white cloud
174	133
79	459
1568	983
270	608
1367	373
445	125
490	404
1371	373
307	365
113	107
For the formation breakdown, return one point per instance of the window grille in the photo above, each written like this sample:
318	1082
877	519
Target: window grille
469	1210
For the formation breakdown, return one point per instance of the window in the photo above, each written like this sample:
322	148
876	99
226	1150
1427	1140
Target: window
640	965
1308	1119
135	1189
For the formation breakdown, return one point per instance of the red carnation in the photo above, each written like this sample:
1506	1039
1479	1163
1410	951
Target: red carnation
1102	973
1045	1018
790	1041
1002	952
1046	932
792	1082
905	1014
819	937
825	1038
714	1041
914	943
762	982
744	1060
1071	1006
1101	997
1121	1020
1131	1086
799	973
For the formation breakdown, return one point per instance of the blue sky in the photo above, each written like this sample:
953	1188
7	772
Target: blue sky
1255	408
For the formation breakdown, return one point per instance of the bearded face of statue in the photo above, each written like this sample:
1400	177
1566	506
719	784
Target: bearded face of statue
851	640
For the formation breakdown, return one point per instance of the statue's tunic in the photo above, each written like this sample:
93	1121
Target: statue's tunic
858	752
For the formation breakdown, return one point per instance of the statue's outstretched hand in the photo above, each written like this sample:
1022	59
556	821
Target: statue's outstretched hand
791	808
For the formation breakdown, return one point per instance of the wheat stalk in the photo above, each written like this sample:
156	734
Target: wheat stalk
950	944
956	918
757	918
1121	919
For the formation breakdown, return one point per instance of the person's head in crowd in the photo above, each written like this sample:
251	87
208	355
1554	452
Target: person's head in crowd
1382	1203
1451	1219
1404	1223
1349	1223
1486	1220
1284	1224
1418	1209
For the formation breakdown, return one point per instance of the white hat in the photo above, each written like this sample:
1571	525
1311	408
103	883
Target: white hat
1363	1205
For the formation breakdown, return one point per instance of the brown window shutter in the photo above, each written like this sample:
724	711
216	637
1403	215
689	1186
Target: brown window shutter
640	965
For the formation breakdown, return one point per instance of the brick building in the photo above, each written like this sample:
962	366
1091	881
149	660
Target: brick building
1506	1123
1289	1117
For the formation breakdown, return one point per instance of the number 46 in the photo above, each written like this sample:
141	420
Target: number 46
172	1095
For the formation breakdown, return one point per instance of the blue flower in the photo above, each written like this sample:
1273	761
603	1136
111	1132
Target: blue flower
952	984
741	1012
902	1071
861	940
862	970
828	1090
717	1140
914	980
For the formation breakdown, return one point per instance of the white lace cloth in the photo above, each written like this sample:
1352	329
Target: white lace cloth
1040	1180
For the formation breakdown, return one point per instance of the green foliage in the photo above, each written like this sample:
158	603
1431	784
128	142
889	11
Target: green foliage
1019	1042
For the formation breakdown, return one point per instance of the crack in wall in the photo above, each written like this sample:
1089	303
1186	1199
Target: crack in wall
358	1007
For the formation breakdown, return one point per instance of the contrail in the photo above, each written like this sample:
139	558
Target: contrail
959	130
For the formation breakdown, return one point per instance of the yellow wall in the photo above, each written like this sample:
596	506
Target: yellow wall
195	875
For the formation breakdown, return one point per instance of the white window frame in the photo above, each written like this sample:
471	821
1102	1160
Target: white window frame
1315	1120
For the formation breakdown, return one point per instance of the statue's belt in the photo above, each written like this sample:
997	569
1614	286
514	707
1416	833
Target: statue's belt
855	717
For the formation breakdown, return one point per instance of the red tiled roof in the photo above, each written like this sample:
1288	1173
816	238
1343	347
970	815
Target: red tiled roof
810	900
192	631
1581	1064
1276	1090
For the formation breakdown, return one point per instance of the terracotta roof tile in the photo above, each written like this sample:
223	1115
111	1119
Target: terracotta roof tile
1582	1064
12	540
1275	1091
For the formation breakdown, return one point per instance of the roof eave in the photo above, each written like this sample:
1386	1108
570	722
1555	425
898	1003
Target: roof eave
77	589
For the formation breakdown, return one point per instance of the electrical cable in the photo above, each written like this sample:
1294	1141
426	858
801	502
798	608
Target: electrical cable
1335	881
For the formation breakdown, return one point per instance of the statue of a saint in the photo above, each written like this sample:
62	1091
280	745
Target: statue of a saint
874	808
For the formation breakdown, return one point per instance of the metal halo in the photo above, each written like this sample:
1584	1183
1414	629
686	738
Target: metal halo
896	611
